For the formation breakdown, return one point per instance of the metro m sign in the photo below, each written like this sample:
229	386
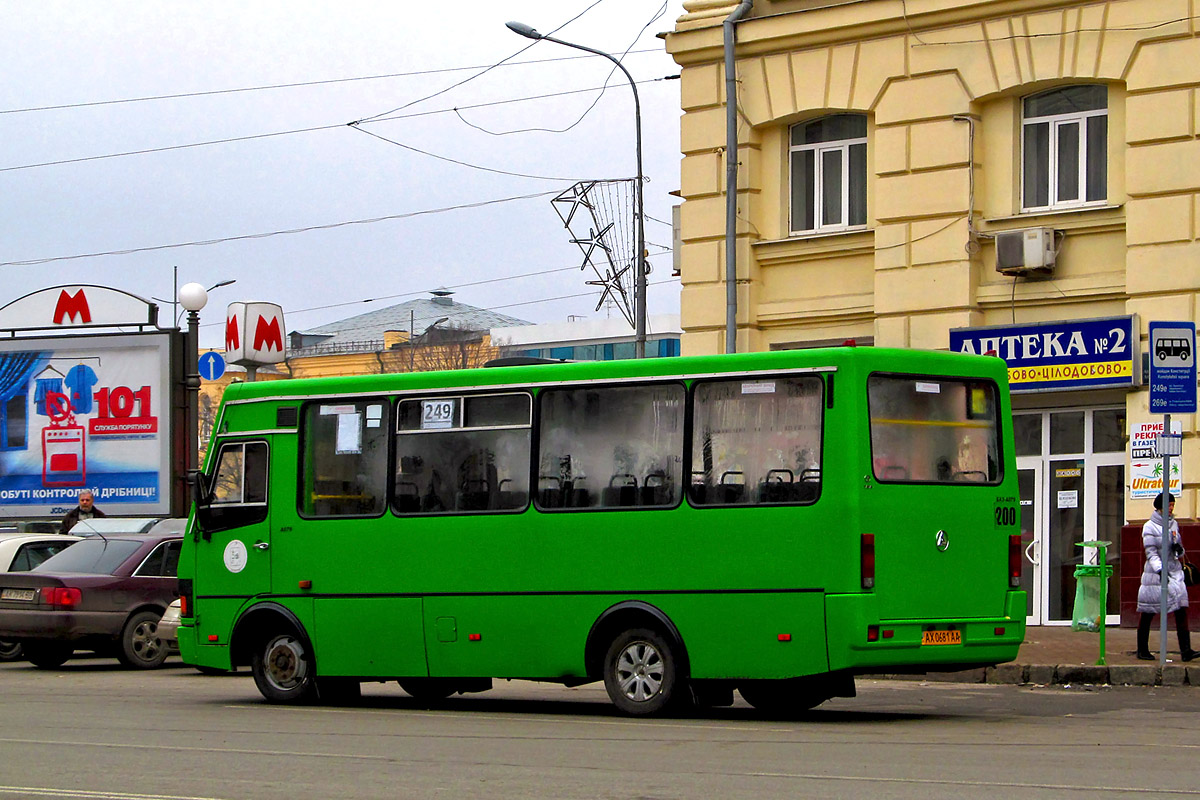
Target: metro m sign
254	333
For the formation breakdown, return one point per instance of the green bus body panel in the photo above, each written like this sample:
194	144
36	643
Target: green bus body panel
369	636
400	596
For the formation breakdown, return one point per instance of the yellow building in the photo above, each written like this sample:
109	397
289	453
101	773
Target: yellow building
1017	176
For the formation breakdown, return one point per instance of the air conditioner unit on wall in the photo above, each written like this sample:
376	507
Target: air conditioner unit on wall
1029	251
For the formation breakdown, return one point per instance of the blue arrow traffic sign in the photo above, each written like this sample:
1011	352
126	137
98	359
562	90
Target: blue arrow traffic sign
211	366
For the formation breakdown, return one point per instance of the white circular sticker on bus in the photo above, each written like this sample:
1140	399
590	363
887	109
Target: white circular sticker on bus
235	556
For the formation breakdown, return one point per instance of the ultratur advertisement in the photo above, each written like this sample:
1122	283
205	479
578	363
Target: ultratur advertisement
85	412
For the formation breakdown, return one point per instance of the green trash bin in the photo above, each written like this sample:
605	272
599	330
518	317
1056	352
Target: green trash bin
1090	597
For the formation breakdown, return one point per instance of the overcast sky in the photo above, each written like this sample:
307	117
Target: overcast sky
86	55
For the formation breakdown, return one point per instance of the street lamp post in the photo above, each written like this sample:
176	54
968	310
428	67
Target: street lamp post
193	297
639	286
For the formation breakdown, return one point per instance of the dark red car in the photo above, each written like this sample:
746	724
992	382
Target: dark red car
104	593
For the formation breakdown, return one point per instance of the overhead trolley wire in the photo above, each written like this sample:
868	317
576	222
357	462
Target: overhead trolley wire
295	85
251	137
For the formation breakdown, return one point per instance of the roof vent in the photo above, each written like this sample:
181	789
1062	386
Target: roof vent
441	296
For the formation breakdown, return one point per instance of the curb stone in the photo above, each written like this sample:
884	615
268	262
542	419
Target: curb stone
1010	674
978	675
1138	675
1174	675
1041	674
1082	673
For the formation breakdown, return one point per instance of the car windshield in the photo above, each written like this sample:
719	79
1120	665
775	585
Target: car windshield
107	525
93	556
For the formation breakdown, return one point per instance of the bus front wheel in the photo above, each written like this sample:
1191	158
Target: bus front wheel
641	673
283	669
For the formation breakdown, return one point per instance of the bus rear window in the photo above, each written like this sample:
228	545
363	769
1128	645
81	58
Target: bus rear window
933	430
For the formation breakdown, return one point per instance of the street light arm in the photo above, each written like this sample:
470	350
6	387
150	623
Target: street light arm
640	234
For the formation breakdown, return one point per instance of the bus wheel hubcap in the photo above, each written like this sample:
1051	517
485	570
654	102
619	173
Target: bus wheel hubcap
640	671
285	665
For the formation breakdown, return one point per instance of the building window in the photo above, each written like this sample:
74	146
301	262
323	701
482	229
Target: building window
828	162
1065	148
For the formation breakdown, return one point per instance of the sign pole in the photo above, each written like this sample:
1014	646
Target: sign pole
1165	549
1172	390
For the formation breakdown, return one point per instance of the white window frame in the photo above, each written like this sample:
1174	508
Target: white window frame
819	149
1054	122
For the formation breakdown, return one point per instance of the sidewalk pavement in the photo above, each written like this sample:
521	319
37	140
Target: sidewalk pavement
1055	654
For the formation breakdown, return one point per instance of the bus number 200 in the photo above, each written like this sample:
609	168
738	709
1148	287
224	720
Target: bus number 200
1006	515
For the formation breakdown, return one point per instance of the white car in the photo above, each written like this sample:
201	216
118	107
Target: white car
21	552
168	626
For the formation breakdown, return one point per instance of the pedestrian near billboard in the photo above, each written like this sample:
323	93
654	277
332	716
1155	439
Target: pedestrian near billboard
85	510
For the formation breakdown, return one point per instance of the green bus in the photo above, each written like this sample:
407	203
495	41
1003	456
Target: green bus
678	528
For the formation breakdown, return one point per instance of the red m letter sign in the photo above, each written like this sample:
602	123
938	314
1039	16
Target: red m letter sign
73	308
268	335
232	340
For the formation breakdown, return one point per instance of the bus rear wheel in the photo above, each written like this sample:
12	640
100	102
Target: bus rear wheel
641	673
283	669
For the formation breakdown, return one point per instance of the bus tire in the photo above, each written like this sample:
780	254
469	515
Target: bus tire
283	669
641	673
427	690
140	647
48	655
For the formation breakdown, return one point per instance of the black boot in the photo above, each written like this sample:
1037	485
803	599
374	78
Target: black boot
1186	653
1143	638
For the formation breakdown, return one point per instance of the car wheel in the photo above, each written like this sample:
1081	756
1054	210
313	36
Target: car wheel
641	673
10	651
427	690
47	655
283	669
140	646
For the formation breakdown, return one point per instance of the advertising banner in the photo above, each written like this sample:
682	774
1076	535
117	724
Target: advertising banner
1051	356
1146	463
88	412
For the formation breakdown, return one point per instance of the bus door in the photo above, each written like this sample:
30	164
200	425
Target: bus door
935	501
233	553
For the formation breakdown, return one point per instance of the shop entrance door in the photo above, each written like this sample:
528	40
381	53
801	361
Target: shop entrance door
1071	478
1029	484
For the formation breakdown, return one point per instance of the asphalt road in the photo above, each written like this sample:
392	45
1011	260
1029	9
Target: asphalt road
93	730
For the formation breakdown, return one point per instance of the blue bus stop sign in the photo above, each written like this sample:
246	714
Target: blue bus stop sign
212	366
1172	367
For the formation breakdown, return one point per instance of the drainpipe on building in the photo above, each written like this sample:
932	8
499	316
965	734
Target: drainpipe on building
731	176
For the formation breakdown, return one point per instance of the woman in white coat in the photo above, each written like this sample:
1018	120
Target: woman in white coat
1150	592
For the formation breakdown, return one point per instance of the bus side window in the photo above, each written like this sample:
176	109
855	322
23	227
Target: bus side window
757	442
611	447
345	459
463	454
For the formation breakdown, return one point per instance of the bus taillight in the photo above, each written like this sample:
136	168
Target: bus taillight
1014	560
868	560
